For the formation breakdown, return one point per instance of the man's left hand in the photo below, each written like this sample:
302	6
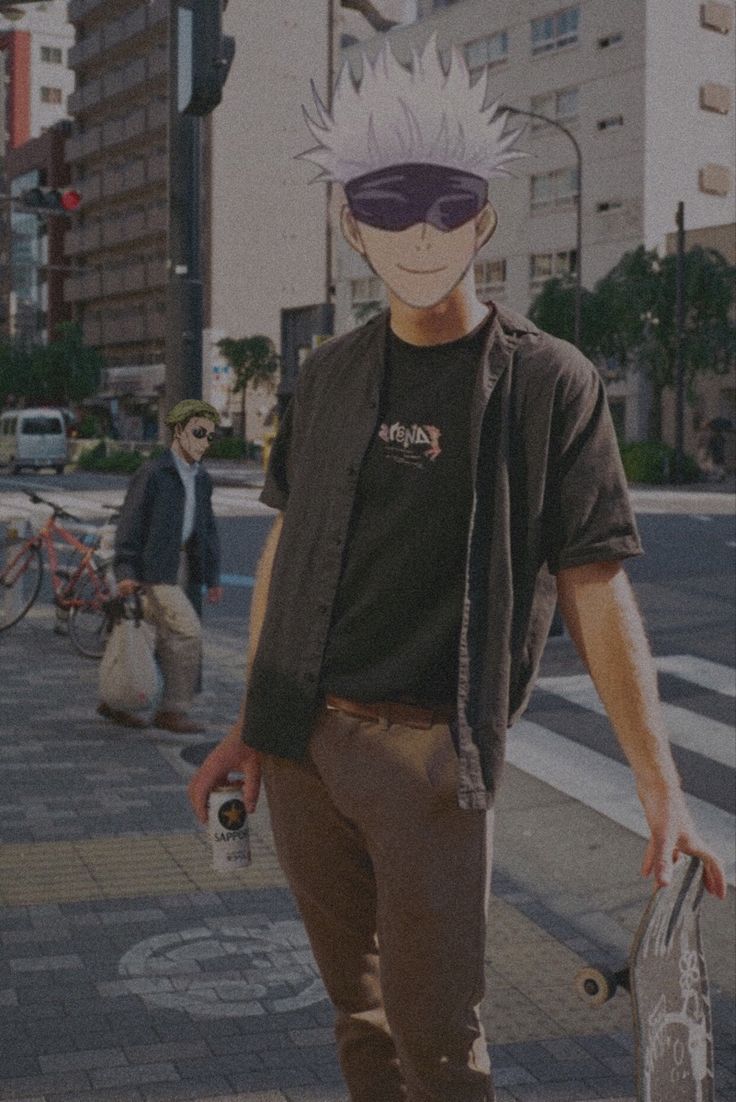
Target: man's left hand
672	833
214	595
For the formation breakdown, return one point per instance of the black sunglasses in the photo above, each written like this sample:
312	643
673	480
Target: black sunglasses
200	433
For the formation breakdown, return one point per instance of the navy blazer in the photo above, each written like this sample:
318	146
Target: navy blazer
148	536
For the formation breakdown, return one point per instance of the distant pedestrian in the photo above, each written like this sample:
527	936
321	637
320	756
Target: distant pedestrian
167	545
715	452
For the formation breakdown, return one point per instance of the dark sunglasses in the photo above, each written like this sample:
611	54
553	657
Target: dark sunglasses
200	433
401	196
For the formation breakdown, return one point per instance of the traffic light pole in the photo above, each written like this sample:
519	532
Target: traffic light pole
184	306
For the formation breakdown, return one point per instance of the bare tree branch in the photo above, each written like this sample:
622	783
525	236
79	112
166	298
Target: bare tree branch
370	13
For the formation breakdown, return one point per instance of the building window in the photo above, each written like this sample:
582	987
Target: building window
366	297
489	50
715	180
52	55
716	17
543	266
611	122
561	106
490	275
614	39
51	95
554	188
715	97
554	32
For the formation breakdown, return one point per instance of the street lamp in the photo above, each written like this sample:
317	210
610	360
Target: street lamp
578	208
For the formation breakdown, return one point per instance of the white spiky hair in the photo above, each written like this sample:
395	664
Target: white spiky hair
421	115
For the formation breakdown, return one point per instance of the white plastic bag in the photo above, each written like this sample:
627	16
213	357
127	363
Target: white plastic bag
130	680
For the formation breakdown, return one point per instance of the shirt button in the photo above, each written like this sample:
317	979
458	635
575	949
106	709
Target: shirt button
322	609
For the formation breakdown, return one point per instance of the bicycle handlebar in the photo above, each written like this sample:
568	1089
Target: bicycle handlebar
58	510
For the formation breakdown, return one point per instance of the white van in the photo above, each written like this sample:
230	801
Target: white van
33	438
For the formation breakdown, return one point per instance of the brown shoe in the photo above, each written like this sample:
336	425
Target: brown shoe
178	723
125	719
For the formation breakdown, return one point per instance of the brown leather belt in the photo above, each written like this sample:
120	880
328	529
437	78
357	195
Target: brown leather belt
406	715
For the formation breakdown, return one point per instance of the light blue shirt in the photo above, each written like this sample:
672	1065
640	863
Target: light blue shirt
187	473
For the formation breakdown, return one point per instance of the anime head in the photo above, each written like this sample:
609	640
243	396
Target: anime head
192	423
414	149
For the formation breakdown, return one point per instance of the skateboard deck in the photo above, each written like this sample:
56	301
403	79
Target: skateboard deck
667	980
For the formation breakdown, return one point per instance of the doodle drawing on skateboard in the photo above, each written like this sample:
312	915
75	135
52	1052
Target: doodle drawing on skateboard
667	980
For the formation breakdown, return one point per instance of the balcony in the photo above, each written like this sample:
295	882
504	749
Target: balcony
82	287
85	49
82	145
82	239
158	114
157	168
92	330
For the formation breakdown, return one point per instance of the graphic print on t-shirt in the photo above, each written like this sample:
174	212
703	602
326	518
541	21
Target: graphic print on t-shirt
415	445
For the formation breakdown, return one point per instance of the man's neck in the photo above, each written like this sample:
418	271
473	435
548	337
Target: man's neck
181	454
450	320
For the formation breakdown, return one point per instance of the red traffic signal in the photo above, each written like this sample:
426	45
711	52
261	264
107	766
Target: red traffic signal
51	200
71	199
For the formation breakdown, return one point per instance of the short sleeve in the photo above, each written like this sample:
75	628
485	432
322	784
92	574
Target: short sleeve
275	491
589	517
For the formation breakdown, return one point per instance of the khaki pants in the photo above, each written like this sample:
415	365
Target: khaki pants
178	640
392	880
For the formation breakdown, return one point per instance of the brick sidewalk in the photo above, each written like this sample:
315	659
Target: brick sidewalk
131	972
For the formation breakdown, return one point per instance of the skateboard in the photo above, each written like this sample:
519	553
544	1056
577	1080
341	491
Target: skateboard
667	980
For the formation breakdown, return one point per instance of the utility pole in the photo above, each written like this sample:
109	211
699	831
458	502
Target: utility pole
577	319
679	342
199	61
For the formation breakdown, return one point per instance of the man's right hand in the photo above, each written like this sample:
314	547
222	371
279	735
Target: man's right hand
229	756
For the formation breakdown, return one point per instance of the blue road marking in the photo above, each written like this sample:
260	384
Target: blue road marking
239	581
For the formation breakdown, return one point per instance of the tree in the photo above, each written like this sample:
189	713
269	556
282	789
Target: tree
370	13
635	319
63	372
629	318
254	361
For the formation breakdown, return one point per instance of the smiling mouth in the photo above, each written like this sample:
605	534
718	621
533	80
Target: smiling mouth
420	271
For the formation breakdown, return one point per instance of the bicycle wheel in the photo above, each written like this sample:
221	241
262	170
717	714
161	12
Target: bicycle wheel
89	625
20	581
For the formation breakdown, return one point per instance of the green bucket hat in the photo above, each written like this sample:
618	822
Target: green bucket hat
188	408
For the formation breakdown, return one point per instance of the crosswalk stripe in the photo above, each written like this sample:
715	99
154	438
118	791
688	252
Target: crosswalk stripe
700	671
607	786
687	729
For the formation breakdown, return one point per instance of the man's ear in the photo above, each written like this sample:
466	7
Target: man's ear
350	230
485	225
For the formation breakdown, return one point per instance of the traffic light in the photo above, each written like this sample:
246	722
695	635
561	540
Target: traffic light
204	55
45	200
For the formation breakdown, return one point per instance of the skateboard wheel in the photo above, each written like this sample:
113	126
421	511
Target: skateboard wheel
595	986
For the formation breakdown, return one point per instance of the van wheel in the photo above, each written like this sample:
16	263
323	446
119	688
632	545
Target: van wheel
14	467
59	468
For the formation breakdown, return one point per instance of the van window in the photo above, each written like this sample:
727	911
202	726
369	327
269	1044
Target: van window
41	426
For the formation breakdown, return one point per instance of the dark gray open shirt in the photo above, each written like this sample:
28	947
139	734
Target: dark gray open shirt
549	493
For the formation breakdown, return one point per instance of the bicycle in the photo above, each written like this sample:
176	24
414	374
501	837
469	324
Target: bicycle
83	588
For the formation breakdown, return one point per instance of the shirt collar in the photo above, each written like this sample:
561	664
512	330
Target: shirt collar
186	470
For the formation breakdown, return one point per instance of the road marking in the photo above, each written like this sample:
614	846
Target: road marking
702	517
265	959
700	671
687	729
607	786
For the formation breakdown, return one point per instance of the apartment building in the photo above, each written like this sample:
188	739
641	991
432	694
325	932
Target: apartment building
117	155
646	89
34	49
35	84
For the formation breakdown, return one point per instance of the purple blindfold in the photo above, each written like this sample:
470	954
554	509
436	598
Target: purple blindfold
398	197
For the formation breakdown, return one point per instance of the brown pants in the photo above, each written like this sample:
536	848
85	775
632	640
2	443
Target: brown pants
377	853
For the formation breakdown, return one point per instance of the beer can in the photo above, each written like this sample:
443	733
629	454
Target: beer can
228	829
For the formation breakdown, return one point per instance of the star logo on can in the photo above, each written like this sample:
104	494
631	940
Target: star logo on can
232	814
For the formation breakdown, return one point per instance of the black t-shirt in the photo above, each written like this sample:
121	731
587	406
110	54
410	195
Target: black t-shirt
396	619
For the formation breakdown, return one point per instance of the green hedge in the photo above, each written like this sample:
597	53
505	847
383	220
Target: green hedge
228	447
113	462
652	462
